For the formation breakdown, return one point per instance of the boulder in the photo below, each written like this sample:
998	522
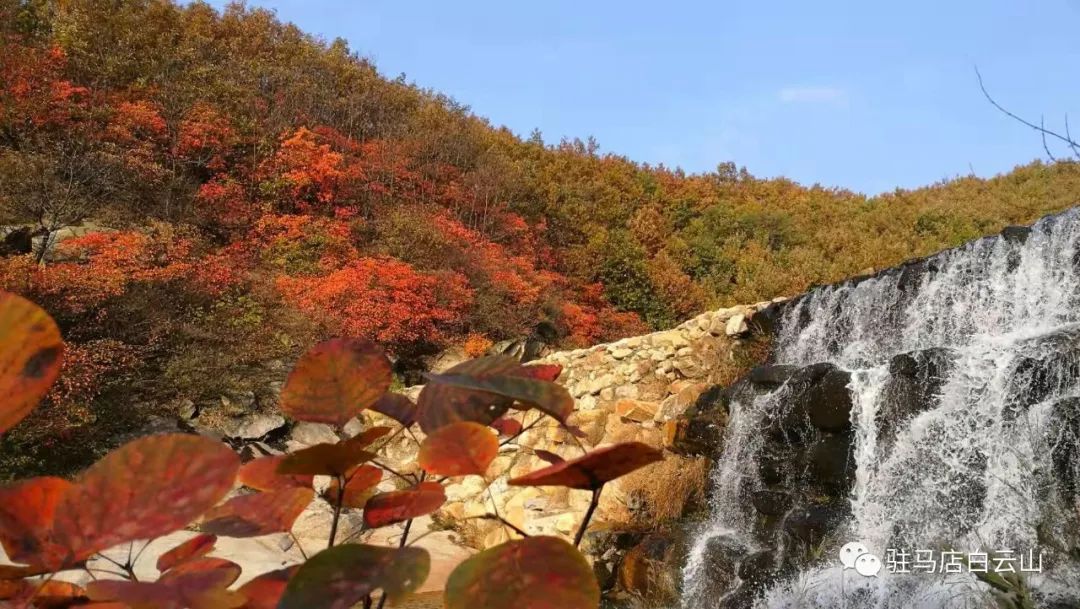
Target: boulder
771	502
914	380
810	524
736	325
831	465
772	375
819	398
636	410
253	426
310	434
18	242
651	572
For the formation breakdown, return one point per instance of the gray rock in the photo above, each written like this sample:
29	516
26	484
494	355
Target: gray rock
311	434
255	426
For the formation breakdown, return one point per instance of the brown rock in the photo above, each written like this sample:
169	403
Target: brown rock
636	410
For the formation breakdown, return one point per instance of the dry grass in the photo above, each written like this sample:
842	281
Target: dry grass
668	489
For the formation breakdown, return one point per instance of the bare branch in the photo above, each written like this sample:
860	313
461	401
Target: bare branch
1066	139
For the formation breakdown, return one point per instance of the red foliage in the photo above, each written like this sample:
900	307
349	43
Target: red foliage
384	300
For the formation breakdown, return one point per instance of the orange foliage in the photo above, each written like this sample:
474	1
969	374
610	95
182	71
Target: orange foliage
476	345
382	299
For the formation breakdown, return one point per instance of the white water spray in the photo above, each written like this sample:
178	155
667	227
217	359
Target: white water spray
974	470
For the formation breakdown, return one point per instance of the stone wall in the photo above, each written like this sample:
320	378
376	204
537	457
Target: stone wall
629	390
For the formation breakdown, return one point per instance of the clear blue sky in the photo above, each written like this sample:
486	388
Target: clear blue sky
866	95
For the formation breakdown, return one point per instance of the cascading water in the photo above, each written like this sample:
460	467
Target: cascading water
979	467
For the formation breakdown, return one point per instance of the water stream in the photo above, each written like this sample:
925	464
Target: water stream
978	469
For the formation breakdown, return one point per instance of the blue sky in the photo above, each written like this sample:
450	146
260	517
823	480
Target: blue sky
864	95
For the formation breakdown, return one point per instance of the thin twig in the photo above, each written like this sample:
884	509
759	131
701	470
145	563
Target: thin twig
399	475
502	520
337	511
588	516
299	546
1067	138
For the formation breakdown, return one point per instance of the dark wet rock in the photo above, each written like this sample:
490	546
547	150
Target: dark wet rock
831	465
1016	234
819	398
771	375
1065	448
771	502
1051	365
760	569
651	571
915	379
810	524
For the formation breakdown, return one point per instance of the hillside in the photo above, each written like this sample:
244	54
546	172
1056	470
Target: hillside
255	189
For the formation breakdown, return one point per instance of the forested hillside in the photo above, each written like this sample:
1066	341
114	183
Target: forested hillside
255	189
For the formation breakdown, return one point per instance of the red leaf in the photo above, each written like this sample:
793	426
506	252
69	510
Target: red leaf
540	372
458	449
218	570
548	456
27	510
398	506
195	589
507	427
264	592
30	356
335	380
332	459
397	407
360	485
537	572
259	513
196	547
342	576
261	474
40	594
546	396
142	490
440	404
593	470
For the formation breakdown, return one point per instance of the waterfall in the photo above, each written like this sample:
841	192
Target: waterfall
986	463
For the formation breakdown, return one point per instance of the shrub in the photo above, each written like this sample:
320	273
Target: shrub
159	484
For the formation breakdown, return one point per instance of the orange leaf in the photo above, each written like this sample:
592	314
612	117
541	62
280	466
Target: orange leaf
332	459
398	506
30	356
142	490
335	380
536	572
458	449
359	486
261	474
397	407
591	471
508	386
540	372
259	513
196	547
440	404
27	510
264	592
342	576
548	456
218	570
506	427
40	594
194	589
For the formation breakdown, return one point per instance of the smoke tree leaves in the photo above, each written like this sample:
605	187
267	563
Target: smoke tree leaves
265	591
261	474
458	449
441	403
27	511
359	486
196	547
594	469
259	513
142	490
536	572
326	459
398	506
31	353
335	380
340	577
397	407
483	390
